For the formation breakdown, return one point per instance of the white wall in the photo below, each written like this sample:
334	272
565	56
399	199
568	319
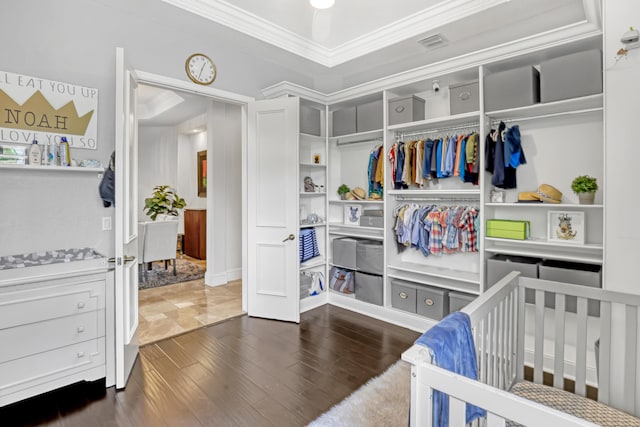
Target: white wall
188	147
157	154
622	91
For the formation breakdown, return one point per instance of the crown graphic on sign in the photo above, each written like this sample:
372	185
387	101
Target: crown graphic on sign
39	115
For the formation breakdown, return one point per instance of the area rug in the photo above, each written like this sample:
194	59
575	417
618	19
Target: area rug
158	276
383	401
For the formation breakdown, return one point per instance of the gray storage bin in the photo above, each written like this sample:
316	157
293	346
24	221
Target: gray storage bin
575	273
309	120
403	295
344	252
369	288
369	116
372	218
344	121
432	302
571	76
464	98
457	300
500	265
369	256
511	88
405	110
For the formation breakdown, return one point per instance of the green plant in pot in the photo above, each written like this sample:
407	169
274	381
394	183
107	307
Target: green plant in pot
585	187
342	190
163	201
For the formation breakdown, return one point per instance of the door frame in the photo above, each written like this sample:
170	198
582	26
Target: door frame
219	95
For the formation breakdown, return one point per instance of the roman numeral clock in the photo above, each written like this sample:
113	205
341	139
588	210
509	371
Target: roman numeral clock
201	69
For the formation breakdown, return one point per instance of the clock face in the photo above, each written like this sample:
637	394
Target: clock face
201	69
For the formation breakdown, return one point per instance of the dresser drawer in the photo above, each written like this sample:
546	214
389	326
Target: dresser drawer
51	334
19	306
63	363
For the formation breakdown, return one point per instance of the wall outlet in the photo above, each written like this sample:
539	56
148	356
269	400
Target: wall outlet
106	223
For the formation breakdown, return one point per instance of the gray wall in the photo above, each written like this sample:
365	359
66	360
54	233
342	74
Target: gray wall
74	41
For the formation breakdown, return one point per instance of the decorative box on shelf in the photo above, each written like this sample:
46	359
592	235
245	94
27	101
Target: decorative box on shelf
508	229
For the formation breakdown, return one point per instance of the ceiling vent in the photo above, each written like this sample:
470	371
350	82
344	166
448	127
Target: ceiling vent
433	42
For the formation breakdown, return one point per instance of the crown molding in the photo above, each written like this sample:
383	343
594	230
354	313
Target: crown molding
581	31
240	20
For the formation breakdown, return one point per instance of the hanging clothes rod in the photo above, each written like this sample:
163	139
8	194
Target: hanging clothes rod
470	126
547	116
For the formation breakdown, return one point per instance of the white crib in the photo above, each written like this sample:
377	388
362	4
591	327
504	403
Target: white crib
509	333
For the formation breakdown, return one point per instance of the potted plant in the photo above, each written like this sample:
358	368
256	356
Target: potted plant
585	187
342	190
164	201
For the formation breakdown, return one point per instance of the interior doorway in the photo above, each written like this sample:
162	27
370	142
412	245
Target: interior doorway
174	130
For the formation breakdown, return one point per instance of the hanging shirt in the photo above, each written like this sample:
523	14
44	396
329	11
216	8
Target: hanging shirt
380	170
392	160
426	161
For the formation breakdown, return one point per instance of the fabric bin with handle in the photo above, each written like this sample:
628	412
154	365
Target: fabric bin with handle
342	280
405	110
571	76
403	295
457	300
309	120
464	98
432	302
344	252
513	88
344	121
500	265
308	244
372	218
574	273
508	229
369	256
369	116
369	288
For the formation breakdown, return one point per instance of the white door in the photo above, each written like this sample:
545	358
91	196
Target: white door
126	221
272	178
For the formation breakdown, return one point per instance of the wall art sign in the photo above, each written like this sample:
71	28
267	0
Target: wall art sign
46	110
566	227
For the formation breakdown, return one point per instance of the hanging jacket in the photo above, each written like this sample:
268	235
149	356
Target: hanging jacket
107	186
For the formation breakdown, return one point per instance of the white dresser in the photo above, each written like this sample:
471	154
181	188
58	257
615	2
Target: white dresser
52	328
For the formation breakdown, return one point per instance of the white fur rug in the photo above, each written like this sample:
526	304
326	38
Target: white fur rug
383	401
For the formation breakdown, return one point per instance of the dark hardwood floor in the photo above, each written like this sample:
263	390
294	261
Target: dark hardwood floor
243	372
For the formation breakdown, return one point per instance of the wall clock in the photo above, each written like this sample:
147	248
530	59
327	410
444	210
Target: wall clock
200	69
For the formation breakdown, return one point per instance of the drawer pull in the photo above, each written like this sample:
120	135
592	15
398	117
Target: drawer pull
465	96
80	354
399	109
404	295
80	329
81	304
428	301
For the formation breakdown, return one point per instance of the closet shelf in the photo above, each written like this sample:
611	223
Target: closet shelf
544	205
472	118
353	138
350	202
307	137
319	224
451	284
313	165
430	271
553	253
585	104
65	169
474	192
312	263
536	242
353	227
371	233
310	194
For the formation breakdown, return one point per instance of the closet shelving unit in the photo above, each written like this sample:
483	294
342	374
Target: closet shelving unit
311	146
461	272
577	125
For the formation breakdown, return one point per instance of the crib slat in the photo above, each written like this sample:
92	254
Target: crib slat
581	347
457	414
494	420
604	357
538	357
501	347
482	344
520	335
495	352
558	368
630	358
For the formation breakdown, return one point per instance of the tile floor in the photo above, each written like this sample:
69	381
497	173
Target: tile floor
171	310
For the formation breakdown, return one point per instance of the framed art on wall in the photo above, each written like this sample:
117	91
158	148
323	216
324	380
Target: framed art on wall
202	173
566	227
352	214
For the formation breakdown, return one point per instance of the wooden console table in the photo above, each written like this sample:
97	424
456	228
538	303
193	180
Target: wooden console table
195	233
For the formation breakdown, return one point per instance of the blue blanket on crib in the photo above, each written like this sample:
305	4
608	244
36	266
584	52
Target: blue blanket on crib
450	343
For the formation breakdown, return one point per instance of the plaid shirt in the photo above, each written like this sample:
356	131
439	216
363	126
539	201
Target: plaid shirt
468	230
433	225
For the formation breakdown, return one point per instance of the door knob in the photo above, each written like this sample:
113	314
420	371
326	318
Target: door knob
290	237
129	258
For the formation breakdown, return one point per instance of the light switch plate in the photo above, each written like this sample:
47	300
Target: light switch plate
106	223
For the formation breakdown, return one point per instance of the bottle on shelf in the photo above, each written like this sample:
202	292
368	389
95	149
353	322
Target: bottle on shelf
65	157
35	155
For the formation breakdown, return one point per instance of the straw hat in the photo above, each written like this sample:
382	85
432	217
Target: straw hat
375	196
359	193
548	193
528	196
349	196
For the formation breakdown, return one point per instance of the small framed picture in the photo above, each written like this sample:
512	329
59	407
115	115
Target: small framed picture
497	196
316	158
566	227
352	214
